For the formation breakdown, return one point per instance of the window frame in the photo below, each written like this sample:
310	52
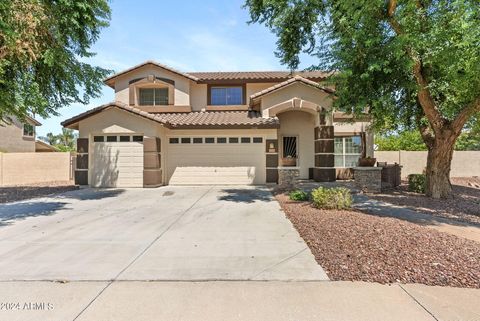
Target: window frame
154	88
242	86
27	133
344	154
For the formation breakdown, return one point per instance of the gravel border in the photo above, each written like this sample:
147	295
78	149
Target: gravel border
21	192
464	207
354	246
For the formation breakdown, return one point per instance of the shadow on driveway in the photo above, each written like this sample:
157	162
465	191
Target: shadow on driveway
246	195
17	211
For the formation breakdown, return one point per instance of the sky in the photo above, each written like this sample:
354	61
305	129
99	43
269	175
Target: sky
207	35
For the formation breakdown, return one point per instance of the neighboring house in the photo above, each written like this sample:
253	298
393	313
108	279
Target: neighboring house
17	136
42	147
171	127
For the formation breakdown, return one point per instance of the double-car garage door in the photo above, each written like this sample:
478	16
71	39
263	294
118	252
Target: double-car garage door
224	160
118	160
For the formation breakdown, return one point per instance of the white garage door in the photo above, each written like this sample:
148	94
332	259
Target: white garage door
117	161
215	160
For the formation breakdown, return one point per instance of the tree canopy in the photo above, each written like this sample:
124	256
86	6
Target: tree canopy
411	63
43	48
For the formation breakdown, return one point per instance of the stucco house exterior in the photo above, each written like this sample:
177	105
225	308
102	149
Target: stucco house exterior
171	127
18	136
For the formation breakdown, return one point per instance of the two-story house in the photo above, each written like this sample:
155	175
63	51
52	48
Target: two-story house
18	136
172	127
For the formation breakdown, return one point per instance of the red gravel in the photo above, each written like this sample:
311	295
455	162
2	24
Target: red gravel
354	246
17	193
464	207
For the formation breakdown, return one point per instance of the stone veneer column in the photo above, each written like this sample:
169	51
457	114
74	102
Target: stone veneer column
152	162
324	170
81	164
271	154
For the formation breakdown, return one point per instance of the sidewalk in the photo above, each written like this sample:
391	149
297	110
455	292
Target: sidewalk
322	300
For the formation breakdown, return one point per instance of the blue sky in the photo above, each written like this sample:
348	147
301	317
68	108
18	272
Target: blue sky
208	35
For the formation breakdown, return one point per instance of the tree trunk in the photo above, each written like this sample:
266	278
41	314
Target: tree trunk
438	168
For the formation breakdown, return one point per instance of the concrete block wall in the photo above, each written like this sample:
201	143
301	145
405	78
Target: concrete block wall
33	168
464	163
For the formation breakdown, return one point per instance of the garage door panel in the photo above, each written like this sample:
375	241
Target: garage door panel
192	164
117	164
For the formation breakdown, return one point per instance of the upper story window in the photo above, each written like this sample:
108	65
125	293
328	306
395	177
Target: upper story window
28	130
153	96
227	95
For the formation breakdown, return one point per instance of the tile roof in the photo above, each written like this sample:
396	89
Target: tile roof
227	75
256	75
228	119
115	104
206	119
289	82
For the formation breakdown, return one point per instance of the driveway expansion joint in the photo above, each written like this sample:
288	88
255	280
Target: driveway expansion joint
418	302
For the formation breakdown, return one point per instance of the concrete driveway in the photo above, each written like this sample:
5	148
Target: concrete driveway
168	233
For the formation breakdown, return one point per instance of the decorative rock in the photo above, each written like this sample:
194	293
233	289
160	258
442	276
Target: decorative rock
368	179
287	177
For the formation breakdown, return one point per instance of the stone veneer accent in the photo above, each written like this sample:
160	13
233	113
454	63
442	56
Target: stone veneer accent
368	179
152	162
81	166
271	160
287	177
324	170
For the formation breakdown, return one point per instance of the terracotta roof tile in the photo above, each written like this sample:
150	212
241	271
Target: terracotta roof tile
206	119
256	75
230	119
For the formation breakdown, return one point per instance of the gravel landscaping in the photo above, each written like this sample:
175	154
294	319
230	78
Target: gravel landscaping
464	207
354	246
18	193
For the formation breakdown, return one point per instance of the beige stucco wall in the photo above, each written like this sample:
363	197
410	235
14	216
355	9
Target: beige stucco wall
12	139
198	96
30	168
116	121
300	124
297	90
414	162
182	84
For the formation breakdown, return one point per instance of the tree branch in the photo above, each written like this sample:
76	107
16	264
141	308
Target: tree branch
424	97
465	114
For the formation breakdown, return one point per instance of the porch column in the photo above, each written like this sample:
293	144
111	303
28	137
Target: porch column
271	155
324	170
152	164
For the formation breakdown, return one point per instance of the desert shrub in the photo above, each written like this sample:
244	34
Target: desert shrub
298	195
332	198
417	183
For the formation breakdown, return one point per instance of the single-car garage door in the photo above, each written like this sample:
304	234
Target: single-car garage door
215	160
117	161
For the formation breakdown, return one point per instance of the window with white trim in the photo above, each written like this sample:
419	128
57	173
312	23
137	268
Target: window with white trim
347	150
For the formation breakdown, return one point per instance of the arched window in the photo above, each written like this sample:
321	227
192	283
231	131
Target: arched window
152	91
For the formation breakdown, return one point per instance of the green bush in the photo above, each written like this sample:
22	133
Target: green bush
298	195
332	198
417	183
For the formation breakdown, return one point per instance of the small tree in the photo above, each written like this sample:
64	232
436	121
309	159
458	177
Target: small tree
414	63
43	46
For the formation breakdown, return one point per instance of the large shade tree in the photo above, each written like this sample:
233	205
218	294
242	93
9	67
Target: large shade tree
413	63
44	46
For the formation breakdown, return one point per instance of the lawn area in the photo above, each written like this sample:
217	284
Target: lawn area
21	192
351	245
464	207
